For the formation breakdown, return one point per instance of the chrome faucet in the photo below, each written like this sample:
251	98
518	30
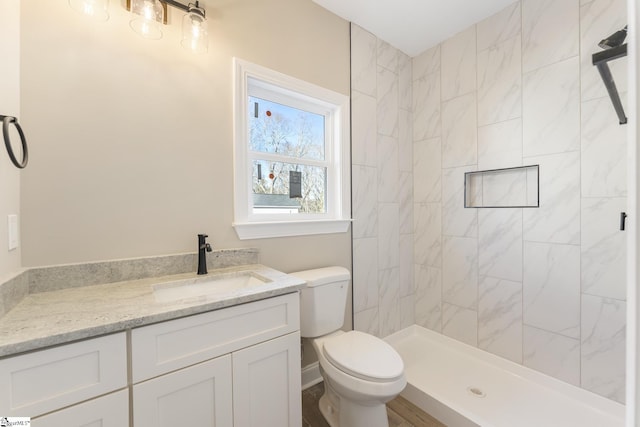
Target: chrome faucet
202	257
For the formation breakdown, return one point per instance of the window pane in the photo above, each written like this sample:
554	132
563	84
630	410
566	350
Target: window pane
272	189
288	131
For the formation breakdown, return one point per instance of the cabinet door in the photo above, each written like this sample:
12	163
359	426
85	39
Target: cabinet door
199	395
111	410
266	384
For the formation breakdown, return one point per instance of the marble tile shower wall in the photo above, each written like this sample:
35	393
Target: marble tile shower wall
542	287
382	185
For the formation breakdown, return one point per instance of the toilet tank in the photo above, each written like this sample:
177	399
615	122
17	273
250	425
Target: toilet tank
323	301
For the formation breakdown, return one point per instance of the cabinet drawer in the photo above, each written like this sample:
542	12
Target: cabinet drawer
164	347
43	381
111	410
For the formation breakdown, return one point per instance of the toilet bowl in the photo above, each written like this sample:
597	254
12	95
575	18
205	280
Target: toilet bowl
359	379
361	372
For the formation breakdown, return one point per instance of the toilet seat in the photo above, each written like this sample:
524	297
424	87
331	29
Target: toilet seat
364	356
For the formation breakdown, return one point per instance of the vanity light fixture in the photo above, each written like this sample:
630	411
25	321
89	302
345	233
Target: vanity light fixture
94	9
148	14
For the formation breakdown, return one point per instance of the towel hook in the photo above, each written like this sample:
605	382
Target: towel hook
6	121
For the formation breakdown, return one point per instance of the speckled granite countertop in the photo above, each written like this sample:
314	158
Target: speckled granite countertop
56	317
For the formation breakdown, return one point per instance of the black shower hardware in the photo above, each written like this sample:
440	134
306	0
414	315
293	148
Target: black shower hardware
623	220
614	40
614	49
202	256
6	122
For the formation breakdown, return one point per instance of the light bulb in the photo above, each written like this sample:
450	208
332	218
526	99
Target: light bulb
94	9
147	10
194	31
147	16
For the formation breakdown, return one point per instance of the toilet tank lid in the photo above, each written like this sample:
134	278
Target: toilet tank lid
322	276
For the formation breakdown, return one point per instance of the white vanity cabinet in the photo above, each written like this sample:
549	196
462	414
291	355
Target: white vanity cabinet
195	396
111	410
46	381
238	366
266	384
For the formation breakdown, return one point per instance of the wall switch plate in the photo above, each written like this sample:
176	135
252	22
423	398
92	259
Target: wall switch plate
13	231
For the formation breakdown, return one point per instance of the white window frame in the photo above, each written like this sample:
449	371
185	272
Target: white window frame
335	106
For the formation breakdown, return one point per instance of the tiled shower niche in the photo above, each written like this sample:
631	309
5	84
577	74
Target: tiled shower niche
517	187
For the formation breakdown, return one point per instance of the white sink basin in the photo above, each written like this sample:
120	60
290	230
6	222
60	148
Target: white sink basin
210	286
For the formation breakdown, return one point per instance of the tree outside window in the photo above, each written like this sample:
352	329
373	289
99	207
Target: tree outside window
283	139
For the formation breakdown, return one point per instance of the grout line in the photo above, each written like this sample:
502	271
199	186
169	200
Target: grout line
552	332
440	101
580	192
522	163
476	213
351	168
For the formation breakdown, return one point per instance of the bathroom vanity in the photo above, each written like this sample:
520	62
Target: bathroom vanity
245	358
226	359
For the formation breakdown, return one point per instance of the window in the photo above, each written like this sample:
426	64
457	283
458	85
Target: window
291	156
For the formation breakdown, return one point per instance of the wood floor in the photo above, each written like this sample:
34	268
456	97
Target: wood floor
401	412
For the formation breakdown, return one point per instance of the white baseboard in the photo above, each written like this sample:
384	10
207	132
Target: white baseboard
311	375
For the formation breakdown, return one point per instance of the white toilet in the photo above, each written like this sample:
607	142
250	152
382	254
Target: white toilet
361	372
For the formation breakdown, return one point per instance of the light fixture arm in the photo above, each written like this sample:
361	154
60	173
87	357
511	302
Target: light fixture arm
191	7
176	5
187	8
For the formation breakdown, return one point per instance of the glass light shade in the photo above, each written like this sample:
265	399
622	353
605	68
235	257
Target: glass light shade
147	18
94	9
194	32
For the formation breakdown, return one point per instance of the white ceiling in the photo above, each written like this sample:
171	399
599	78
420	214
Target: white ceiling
414	26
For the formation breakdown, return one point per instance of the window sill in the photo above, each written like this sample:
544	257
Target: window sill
266	230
